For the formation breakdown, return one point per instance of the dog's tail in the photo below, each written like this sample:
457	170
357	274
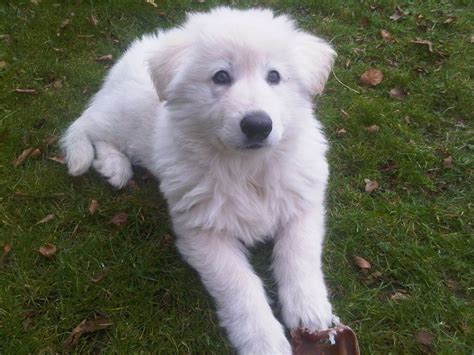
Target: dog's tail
77	148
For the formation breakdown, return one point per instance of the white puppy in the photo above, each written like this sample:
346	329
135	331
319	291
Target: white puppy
220	111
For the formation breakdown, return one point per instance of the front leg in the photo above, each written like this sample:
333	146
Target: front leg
241	302
297	267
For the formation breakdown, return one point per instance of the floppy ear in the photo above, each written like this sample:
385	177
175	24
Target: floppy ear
166	59
315	59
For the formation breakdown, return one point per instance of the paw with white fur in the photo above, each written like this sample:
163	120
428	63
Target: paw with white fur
311	312
112	164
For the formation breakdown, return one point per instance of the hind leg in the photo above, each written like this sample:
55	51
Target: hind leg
112	164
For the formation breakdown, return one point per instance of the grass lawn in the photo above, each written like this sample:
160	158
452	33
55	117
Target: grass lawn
415	229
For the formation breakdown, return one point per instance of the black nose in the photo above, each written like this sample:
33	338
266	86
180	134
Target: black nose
256	125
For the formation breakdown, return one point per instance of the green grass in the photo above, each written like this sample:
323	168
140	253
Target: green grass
416	229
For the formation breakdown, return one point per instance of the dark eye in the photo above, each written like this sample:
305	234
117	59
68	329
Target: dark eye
273	77
222	78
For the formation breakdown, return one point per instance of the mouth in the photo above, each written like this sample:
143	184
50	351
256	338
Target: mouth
254	146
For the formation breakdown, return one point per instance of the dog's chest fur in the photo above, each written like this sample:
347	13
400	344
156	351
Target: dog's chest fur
244	200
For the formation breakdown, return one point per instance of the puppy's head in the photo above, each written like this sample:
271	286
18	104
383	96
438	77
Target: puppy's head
239	79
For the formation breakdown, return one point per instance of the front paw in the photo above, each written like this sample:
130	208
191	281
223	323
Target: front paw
311	313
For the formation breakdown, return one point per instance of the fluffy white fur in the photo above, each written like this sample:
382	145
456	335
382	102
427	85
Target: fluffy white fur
159	108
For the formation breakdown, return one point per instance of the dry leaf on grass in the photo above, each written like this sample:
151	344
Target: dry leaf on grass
398	14
341	131
361	263
94	205
25	91
49	140
448	162
99	276
48	250
398	93
424	42
371	185
87	326
388	167
166	240
3	64
424	337
387	36
104	58
57	84
372	128
119	219
151	2
35	153
22	157
46	219
62	27
450	19
57	158
7	248
371	77
399	296
93	19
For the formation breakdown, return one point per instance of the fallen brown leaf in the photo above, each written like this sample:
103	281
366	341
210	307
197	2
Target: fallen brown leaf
48	250
3	64
151	2
448	162
166	240
341	131
450	19
99	276
371	185
398	14
119	219
57	158
424	337
49	140
388	167
22	157
7	248
104	58
57	84
387	36
361	263
344	113
399	296
424	42
372	128
371	77
25	91
35	153
87	326
46	219
93	19
62	27
132	184
93	206
398	93
28	320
